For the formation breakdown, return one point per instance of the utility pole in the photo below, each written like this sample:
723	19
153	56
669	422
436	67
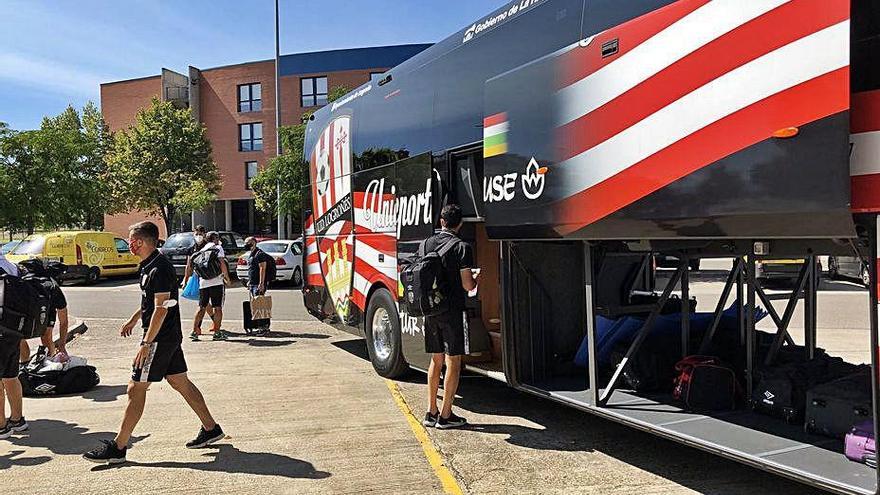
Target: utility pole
281	222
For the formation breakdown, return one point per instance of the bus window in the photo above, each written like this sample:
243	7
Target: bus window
467	183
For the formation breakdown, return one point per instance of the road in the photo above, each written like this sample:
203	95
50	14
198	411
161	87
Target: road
306	414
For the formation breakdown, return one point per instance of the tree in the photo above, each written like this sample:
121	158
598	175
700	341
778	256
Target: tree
162	164
290	169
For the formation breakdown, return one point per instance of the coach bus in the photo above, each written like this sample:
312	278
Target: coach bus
584	139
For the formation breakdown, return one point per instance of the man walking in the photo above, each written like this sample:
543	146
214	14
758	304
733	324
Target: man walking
160	354
446	335
212	292
260	271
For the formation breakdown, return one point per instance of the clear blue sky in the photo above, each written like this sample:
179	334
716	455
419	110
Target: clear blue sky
54	53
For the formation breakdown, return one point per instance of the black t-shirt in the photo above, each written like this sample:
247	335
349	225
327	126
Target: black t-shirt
456	259
258	256
157	276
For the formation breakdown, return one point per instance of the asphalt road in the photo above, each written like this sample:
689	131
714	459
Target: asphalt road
307	414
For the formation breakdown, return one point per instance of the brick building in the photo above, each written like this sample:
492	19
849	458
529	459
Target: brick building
237	105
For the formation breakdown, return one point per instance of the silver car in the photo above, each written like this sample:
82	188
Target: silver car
848	267
288	261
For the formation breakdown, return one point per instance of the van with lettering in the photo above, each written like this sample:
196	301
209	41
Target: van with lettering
89	255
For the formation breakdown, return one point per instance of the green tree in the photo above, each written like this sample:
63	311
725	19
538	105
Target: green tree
291	170
162	164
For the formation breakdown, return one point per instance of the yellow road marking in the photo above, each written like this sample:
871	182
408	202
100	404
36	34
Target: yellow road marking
446	478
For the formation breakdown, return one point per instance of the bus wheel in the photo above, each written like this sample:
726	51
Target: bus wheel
93	275
382	331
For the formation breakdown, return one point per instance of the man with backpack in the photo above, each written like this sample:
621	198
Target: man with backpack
210	265
47	277
10	351
160	355
261	271
446	334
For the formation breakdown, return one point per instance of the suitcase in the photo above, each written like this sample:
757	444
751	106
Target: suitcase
251	325
859	444
834	407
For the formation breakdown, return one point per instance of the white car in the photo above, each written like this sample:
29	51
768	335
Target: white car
288	261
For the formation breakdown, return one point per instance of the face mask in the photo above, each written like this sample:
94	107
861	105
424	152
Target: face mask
135	247
200	239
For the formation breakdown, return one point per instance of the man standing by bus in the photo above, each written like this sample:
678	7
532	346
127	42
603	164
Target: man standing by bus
446	335
160	355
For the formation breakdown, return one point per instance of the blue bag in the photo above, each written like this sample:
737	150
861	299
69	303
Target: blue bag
191	291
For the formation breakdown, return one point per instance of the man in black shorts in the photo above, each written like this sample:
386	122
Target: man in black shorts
10	387
160	354
447	333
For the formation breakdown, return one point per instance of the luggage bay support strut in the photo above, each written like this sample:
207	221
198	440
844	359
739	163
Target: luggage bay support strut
643	333
732	278
807	274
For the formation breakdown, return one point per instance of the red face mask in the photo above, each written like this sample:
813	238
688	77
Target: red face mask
136	246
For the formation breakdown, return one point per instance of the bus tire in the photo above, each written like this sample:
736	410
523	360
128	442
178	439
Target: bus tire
382	333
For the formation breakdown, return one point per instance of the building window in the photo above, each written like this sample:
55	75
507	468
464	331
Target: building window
250	97
250	171
314	91
375	77
250	137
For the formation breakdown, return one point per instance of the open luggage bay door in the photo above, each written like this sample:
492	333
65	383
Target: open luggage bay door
702	119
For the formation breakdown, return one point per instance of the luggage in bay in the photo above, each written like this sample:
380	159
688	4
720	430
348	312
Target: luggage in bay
860	445
832	408
705	383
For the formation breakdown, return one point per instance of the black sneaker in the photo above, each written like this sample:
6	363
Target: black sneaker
452	421
431	419
206	438
17	425
5	432
108	453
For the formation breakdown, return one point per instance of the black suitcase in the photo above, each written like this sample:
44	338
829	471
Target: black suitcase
781	390
834	407
250	324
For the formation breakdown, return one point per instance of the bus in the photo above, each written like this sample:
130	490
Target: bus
585	139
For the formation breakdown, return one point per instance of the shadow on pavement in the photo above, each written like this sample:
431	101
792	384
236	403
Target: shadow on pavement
63	438
262	343
228	459
105	393
356	347
12	459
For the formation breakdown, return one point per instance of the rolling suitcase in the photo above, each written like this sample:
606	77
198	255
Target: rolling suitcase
860	445
834	407
252	326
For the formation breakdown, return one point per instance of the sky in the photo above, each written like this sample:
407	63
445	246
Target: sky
57	52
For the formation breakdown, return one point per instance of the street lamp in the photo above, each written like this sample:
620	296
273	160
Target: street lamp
281	222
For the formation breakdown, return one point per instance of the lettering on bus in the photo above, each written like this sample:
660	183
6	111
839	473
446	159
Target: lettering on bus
498	188
335	213
490	22
409	325
405	211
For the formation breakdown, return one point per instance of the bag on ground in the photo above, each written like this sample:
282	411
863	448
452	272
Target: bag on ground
24	307
207	263
41	376
423	282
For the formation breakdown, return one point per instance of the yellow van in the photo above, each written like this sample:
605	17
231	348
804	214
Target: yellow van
88	255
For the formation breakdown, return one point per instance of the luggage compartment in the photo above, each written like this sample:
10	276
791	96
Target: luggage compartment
544	279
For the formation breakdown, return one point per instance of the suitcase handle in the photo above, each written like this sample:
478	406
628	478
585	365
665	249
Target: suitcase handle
819	402
860	411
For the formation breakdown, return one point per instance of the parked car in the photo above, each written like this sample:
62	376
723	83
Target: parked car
781	270
288	261
179	247
9	246
849	267
89	255
666	261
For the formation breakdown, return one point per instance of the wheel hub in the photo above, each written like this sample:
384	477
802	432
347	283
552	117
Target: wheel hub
381	332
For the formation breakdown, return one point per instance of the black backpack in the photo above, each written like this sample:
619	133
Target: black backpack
207	263
271	267
24	307
423	281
